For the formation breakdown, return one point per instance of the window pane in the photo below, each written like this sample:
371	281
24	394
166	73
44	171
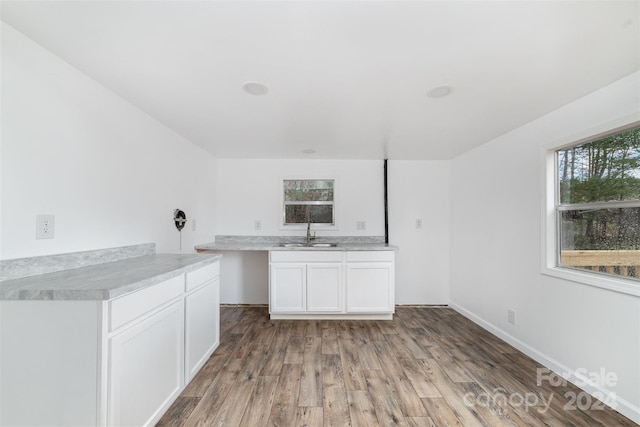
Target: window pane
603	170
308	190
318	214
603	240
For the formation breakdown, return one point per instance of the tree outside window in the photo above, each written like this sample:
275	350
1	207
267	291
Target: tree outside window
598	205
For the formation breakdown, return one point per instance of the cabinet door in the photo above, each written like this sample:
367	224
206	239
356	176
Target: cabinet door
325	289
146	369
202	313
370	287
287	288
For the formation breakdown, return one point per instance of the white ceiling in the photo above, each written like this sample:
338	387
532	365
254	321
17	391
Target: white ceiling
346	78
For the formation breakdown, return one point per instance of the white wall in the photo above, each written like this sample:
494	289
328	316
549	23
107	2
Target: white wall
420	190
496	240
248	190
110	174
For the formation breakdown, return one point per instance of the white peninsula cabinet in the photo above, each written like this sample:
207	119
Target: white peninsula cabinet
202	317
116	362
331	284
145	360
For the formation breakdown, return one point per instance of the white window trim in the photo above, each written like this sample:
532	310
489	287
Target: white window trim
336	203
549	222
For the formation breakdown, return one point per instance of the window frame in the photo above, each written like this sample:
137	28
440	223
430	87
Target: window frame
551	208
303	226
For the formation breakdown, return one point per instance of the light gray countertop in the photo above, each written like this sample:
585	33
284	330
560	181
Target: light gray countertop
103	281
272	243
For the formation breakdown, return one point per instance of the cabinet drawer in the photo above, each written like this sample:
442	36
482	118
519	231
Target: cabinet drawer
306	256
129	307
197	277
370	256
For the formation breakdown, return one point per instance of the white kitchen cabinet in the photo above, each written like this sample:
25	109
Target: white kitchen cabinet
288	289
146	370
202	314
370	288
325	287
117	362
145	353
332	284
370	282
306	282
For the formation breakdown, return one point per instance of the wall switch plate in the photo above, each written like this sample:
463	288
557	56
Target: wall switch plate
193	224
361	225
257	224
45	226
511	316
418	222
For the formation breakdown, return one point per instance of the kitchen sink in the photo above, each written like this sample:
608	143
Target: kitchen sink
311	245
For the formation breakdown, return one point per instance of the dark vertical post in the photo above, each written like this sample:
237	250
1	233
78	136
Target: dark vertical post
386	205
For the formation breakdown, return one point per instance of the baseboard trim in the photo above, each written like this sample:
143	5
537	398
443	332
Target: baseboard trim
337	316
245	305
397	305
422	306
624	407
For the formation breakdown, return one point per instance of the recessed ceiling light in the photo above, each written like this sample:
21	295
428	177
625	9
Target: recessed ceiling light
440	91
255	88
308	151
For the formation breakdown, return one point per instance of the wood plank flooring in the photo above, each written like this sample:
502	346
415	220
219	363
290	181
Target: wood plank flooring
428	367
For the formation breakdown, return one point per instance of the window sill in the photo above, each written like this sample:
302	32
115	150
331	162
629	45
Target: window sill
611	283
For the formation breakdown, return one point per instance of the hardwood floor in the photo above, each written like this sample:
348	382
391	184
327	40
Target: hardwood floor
427	367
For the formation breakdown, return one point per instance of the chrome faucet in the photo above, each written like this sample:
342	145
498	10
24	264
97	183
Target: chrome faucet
309	236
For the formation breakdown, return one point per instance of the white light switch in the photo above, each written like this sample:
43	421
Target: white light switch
45	226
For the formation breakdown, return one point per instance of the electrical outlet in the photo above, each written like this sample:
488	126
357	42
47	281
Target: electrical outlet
418	222
257	224
511	316
361	225
45	226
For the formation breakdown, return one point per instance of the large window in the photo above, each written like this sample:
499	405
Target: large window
597	205
309	200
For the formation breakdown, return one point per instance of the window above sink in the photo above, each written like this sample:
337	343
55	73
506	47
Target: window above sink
308	201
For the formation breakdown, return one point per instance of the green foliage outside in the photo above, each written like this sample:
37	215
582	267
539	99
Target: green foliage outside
604	170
